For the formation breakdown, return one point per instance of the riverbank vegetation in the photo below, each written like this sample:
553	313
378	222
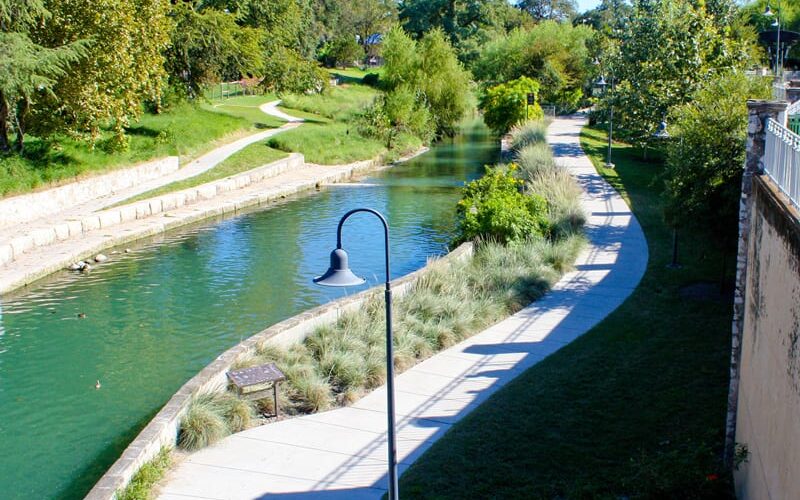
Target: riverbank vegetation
142	483
339	363
651	380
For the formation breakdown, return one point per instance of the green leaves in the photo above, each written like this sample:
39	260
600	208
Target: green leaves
505	105
431	70
493	207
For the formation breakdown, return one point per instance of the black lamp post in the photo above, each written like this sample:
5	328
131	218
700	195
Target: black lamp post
603	85
339	274
661	133
776	24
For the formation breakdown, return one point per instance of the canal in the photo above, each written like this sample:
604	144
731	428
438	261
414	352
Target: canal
147	321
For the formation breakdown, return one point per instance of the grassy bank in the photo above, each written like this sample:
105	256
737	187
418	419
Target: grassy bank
330	135
251	157
186	130
633	409
247	108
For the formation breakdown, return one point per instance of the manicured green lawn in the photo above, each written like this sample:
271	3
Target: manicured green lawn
247	107
187	131
253	156
633	409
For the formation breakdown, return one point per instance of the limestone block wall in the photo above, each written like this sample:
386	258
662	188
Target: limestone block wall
768	417
33	206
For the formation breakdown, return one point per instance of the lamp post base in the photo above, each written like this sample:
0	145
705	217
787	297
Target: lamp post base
610	165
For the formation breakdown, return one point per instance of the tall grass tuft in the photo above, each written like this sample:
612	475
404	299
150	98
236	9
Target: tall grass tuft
528	132
204	423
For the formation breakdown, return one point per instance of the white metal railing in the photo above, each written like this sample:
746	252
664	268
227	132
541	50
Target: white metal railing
793	109
782	160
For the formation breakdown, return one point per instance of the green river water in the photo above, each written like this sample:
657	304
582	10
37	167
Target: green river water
157	315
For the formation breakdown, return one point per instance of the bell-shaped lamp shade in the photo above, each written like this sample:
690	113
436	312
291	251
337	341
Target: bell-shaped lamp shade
339	274
768	11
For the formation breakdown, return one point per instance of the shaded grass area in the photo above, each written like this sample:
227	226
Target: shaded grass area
141	486
253	156
186	130
633	409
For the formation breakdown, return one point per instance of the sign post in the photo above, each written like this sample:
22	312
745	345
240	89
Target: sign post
529	102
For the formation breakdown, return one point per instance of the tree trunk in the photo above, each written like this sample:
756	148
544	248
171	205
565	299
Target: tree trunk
4	145
23	105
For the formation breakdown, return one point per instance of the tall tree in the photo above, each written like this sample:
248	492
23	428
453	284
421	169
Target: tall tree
553	10
469	24
124	63
28	71
668	50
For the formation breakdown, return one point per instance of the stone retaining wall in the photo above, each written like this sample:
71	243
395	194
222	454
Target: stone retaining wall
142	209
163	429
28	207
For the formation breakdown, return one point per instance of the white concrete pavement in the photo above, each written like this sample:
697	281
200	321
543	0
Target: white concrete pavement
342	453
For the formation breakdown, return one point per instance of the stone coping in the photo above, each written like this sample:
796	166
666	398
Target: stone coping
163	428
30	206
104	219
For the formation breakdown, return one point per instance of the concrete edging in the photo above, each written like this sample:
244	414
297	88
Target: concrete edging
163	428
27	207
143	209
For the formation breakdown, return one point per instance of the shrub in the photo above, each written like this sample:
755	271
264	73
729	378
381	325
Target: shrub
506	104
493	207
371	79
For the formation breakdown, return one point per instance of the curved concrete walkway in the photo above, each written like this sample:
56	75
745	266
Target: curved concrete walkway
342	453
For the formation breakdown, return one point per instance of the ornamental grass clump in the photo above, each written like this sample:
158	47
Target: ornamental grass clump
212	416
528	132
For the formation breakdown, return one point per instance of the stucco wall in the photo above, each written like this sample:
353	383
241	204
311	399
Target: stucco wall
768	419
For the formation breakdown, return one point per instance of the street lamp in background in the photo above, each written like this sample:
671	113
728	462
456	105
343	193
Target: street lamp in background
776	24
339	275
661	134
603	85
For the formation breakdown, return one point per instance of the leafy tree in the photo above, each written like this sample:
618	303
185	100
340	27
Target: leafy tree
397	112
705	157
494	207
505	105
124	64
469	24
669	49
367	17
552	10
610	15
431	68
555	54
208	46
285	71
342	51
28	71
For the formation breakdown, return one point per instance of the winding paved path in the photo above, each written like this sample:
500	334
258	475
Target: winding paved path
342	453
